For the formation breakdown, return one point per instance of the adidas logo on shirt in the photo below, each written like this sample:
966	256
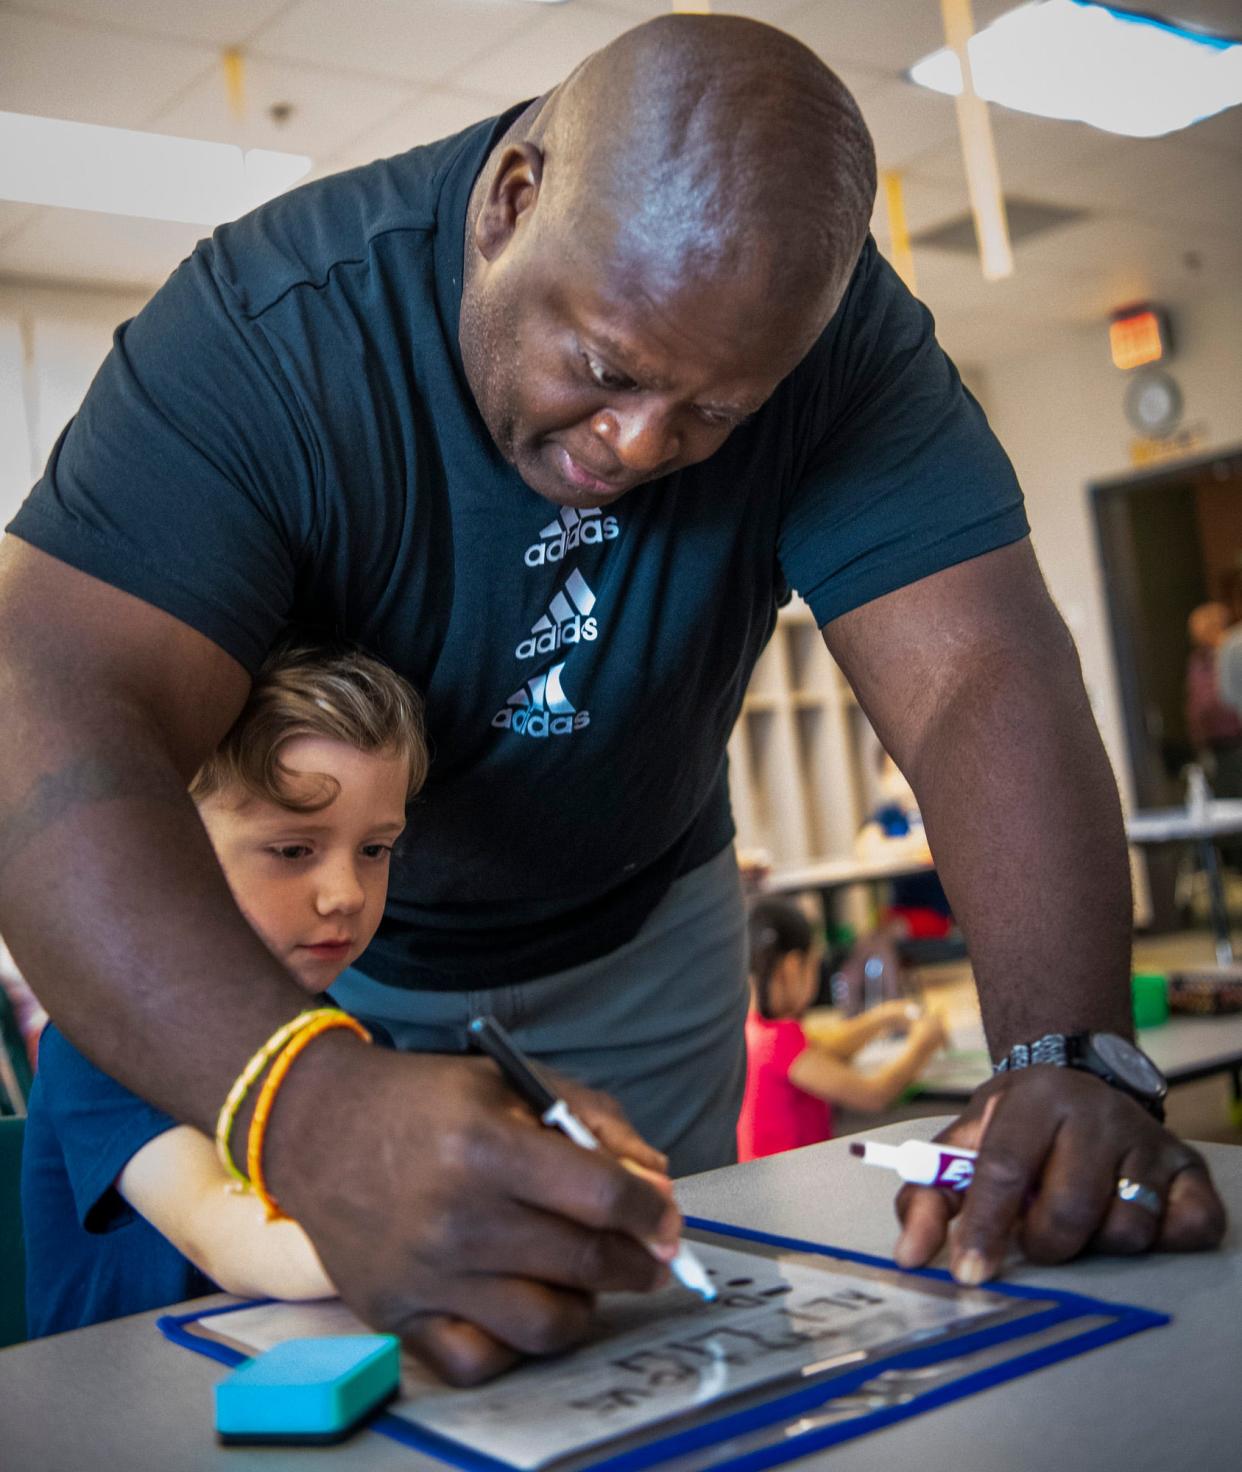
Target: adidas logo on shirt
565	622
571	529
541	708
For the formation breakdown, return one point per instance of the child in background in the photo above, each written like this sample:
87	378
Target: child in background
125	1209
792	1082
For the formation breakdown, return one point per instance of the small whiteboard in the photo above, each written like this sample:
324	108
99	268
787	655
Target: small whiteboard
803	1346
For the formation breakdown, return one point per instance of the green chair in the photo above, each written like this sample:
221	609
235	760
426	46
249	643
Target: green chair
12	1251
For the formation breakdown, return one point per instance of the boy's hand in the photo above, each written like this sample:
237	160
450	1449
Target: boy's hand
448	1216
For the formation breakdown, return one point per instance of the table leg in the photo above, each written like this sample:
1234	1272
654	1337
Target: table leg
1210	864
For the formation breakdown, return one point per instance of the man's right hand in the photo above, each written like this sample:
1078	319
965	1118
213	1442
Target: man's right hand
447	1215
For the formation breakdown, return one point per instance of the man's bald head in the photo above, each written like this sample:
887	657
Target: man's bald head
651	249
711	145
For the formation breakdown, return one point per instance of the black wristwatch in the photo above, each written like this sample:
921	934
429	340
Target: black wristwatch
1106	1054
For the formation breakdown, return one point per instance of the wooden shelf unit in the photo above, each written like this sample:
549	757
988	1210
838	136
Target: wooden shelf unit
802	757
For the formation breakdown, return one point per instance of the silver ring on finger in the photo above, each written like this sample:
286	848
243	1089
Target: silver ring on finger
1137	1194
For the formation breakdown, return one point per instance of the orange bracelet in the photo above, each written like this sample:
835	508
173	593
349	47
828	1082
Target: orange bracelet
267	1097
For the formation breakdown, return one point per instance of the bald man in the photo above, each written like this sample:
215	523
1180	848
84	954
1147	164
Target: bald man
552	415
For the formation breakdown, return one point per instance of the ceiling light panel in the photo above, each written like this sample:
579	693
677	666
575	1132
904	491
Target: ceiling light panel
1085	62
119	171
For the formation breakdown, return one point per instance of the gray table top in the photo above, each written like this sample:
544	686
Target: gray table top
116	1396
1215	819
1183	1048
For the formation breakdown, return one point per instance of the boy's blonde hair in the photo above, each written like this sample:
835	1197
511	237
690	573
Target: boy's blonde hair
344	695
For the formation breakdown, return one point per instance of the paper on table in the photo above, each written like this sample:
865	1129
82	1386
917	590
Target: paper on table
658	1356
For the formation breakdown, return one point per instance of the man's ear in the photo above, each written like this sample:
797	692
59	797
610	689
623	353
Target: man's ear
512	193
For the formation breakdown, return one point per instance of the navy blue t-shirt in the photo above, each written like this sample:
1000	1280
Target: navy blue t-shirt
284	437
89	1255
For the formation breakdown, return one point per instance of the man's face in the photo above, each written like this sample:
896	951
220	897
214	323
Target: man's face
595	375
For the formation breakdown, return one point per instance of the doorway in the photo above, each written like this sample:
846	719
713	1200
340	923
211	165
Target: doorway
1170	539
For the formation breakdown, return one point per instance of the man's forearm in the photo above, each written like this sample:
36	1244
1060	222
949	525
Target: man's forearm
1024	820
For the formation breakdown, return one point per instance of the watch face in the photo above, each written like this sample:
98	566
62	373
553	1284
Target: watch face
1129	1064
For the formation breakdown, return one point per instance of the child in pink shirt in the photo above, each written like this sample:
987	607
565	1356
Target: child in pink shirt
792	1082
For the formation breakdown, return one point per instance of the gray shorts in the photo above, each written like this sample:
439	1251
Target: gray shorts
657	1023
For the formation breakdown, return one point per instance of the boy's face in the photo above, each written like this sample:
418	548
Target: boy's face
313	885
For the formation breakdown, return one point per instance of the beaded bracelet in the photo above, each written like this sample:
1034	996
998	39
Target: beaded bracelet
245	1079
327	1019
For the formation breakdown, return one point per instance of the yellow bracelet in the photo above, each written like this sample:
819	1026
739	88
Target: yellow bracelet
327	1019
245	1080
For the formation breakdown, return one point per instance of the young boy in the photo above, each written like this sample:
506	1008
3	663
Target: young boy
125	1209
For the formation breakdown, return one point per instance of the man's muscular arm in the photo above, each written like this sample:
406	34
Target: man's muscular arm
973	685
440	1212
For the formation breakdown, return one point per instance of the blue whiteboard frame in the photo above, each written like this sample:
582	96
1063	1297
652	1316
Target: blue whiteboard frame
1121	1320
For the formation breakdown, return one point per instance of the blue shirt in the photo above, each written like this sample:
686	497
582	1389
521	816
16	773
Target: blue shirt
284	439
89	1255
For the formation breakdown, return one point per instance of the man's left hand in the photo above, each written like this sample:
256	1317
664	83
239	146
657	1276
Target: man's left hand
1054	1144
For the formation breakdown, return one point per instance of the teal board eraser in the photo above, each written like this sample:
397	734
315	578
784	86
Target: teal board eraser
308	1390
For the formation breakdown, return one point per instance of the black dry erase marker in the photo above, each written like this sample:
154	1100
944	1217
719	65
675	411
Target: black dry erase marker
528	1083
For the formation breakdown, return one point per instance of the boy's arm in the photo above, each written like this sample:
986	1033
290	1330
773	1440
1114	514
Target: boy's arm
176	1182
817	1072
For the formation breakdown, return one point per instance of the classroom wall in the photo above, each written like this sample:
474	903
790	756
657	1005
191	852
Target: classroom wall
52	339
1059	414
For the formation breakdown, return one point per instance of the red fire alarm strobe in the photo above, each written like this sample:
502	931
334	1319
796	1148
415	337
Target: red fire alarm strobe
1138	335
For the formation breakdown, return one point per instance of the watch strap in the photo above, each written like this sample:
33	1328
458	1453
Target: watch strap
1065	1051
1051	1048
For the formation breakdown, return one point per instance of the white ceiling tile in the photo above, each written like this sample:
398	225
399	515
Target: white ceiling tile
889	35
413	40
436	113
1222	131
64	69
219	22
905	121
1221	17
1160	179
771	11
329	108
1029	151
926	202
1082	272
1131	258
544	53
78	245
